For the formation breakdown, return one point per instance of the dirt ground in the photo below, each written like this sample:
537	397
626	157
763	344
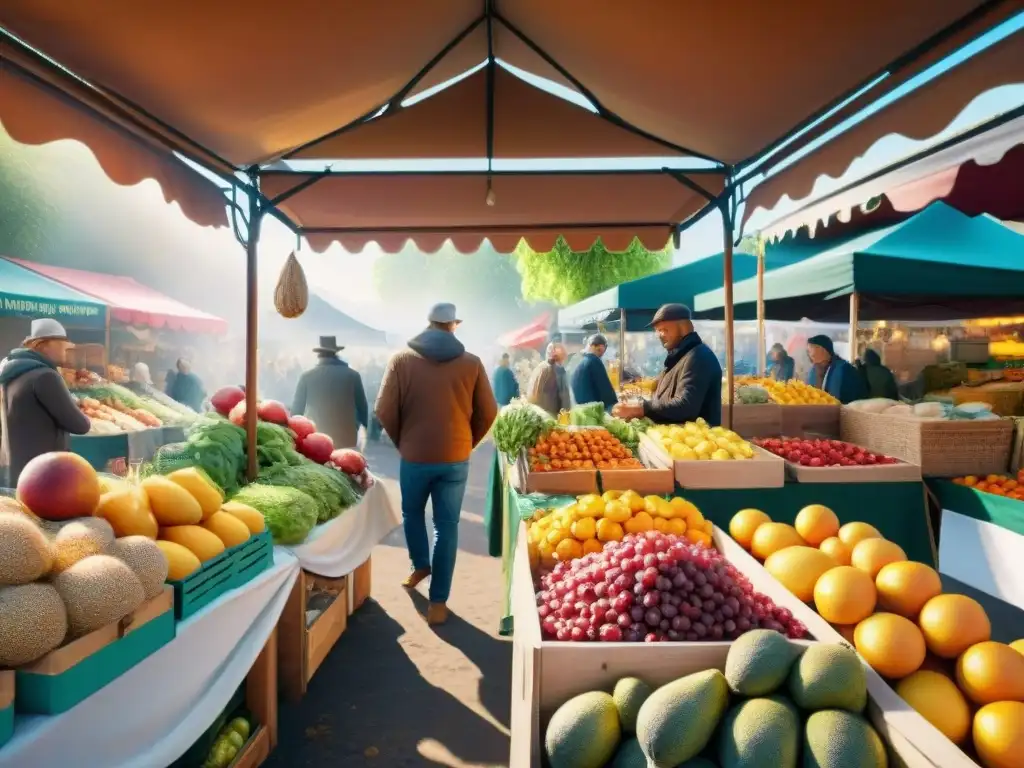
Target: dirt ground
393	692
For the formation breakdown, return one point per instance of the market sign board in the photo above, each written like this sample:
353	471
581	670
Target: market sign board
74	314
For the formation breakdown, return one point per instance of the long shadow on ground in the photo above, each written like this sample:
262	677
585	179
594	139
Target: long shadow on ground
369	705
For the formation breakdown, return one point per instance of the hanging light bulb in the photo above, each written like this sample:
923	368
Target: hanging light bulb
491	198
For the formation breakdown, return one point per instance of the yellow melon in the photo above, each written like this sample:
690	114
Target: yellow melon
171	504
852	534
989	672
202	489
127	511
181	562
836	549
844	595
937	699
771	537
798	569
904	587
815	523
953	623
200	542
252	518
870	555
744	523
999	734
229	529
892	645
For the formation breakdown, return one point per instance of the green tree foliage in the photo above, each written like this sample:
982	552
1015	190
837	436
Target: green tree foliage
563	276
27	219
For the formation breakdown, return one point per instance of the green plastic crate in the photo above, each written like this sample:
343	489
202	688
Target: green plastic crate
199	589
233	568
52	694
252	557
6	724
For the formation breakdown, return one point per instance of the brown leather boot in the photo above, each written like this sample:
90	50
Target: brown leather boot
415	578
437	613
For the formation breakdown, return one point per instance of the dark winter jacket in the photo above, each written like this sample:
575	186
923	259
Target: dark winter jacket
331	395
505	385
188	390
878	379
38	412
841	380
435	402
781	370
590	382
689	387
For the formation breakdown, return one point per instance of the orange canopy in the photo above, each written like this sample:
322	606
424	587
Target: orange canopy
237	84
354	209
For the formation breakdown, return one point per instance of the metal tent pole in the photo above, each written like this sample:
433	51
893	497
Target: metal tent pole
761	341
728	221
854	320
622	348
252	327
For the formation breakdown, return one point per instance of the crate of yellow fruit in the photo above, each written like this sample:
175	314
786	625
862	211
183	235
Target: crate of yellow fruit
702	456
586	525
805	409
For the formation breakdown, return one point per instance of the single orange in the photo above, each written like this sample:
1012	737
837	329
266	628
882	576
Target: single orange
771	537
892	645
852	534
845	595
836	549
953	623
989	672
999	734
744	523
815	523
904	587
870	555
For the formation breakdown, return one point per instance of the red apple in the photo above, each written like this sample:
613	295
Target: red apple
349	461
301	426
59	486
273	411
317	447
226	398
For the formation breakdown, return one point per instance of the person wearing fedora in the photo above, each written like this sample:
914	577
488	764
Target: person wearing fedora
436	405
690	386
331	394
37	412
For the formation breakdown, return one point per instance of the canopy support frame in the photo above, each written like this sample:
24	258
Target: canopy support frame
727	204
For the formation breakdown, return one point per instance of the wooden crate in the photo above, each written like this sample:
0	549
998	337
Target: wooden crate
762	420
301	648
916	742
940	448
878	473
804	420
261	700
566	482
546	673
650	480
359	585
765	470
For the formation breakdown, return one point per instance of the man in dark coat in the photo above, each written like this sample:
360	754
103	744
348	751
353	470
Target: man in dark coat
331	394
505	385
186	387
590	382
831	373
37	412
879	380
780	365
690	385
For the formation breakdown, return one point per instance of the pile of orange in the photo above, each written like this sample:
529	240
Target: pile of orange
934	647
1000	485
563	449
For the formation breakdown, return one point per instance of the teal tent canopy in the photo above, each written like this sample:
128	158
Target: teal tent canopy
322	318
24	293
641	298
939	264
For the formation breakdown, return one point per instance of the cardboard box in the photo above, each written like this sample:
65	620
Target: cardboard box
878	473
649	480
70	674
765	470
762	420
567	482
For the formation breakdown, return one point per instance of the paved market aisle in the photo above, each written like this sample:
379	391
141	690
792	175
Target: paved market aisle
393	692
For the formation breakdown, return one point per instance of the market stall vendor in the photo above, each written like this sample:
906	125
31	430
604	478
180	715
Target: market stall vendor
690	386
833	374
37	412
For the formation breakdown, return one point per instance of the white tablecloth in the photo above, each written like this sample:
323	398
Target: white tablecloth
152	714
338	547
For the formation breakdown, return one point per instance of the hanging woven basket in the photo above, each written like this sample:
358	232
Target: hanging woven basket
291	297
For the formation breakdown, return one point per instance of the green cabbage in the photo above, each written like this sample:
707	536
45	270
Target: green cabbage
289	513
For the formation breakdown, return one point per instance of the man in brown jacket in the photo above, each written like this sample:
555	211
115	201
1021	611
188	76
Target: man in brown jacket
436	405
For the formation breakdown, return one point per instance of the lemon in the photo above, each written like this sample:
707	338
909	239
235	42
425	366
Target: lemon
617	512
663	509
721	455
592	545
661	525
609	531
611	495
569	549
584	529
680	452
677	526
704	447
640	523
692	441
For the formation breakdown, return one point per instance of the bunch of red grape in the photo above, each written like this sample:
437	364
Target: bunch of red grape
655	587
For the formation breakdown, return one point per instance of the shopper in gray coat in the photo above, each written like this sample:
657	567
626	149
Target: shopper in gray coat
37	412
331	394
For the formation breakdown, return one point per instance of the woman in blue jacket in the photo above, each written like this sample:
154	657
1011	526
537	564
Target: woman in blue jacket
831	373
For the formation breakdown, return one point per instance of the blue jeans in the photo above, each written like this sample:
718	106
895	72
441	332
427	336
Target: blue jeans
444	485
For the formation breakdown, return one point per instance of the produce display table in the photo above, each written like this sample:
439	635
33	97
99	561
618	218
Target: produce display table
898	510
334	559
106	452
152	714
